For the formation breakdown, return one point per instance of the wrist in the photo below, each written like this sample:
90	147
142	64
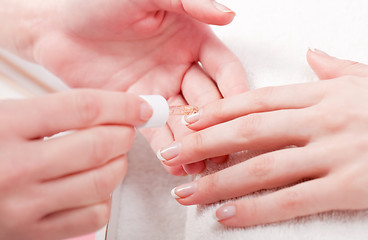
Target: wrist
24	23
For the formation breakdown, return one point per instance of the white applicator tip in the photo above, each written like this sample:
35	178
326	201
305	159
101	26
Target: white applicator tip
160	109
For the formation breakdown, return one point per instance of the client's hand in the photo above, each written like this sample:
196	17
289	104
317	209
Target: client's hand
326	122
145	47
61	187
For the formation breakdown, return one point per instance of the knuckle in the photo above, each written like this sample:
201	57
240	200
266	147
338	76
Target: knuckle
332	122
218	110
291	200
86	107
252	208
263	166
352	181
249	126
14	176
197	143
211	185
100	143
99	216
12	211
103	185
260	98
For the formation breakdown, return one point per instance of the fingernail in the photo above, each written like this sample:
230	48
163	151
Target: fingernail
189	119
222	8
315	50
225	212
184	190
169	152
146	111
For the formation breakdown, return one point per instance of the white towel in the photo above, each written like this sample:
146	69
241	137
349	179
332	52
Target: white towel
271	38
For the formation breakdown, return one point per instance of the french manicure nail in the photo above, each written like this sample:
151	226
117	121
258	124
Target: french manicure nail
222	8
169	152
146	111
225	212
189	119
315	50
184	190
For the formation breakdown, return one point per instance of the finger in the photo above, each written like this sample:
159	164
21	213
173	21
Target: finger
179	131
158	137
207	11
82	150
76	222
256	101
300	200
226	70
86	188
267	171
220	159
198	89
253	132
76	109
327	67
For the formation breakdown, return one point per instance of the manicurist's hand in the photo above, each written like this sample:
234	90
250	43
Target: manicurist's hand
61	187
325	122
143	46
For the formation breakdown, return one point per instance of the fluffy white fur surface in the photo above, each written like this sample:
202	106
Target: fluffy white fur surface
271	37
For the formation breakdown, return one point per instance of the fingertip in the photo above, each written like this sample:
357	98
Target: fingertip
176	171
191	119
210	12
320	64
184	202
227	15
146	110
225	213
194	168
193	127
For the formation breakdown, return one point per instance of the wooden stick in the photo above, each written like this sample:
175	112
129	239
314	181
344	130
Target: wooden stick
20	88
27	75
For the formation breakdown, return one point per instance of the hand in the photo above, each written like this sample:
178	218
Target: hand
325	122
145	47
61	187
149	47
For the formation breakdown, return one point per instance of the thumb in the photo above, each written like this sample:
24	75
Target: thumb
327	67
207	11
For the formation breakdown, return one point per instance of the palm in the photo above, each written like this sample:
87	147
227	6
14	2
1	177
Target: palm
151	59
143	49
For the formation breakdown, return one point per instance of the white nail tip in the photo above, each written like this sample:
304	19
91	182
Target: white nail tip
222	7
183	121
173	194
214	216
158	154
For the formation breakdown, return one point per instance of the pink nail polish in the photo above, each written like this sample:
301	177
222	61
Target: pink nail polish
184	190
169	152
189	119
225	212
